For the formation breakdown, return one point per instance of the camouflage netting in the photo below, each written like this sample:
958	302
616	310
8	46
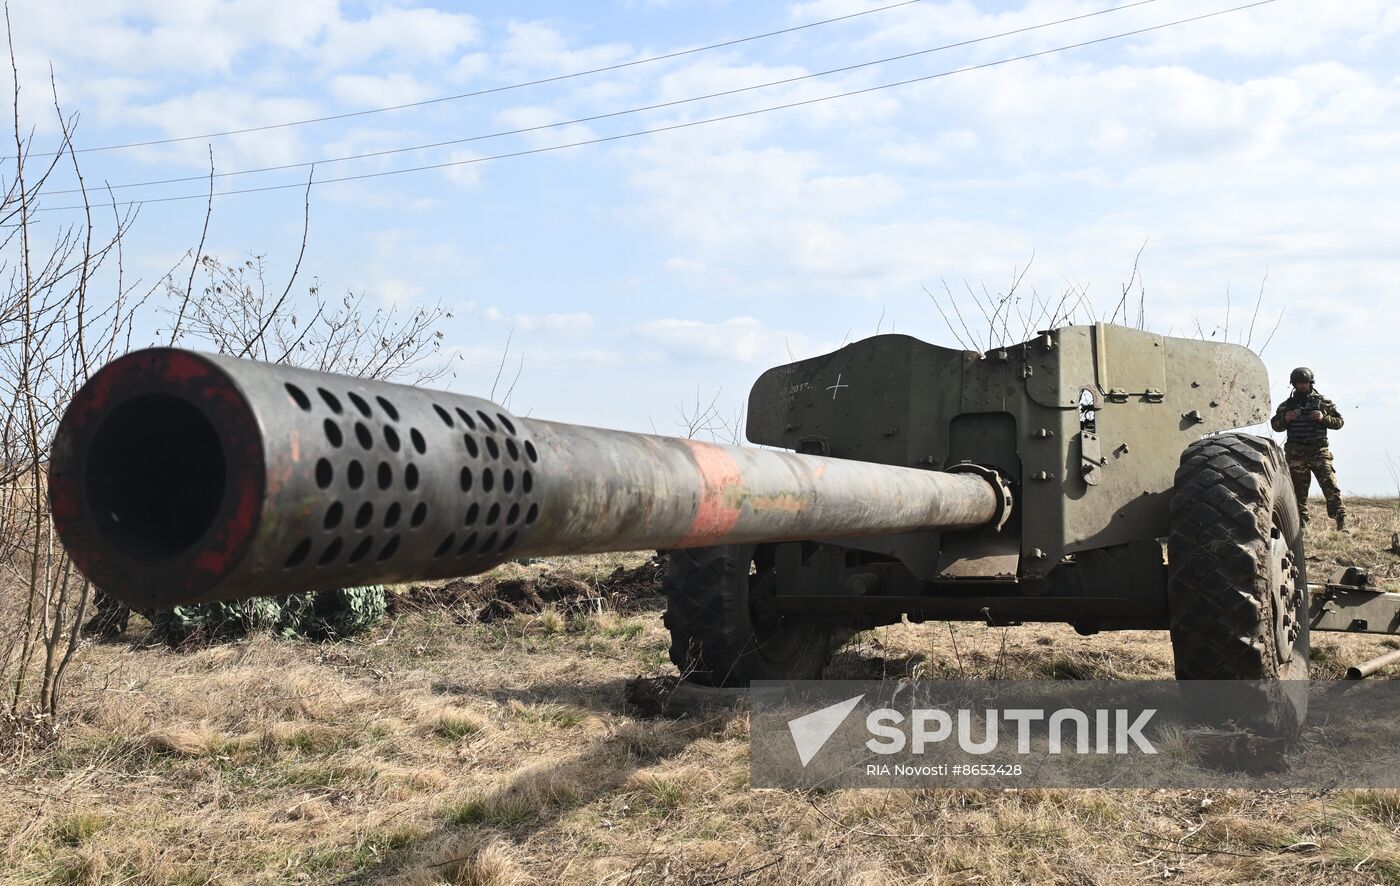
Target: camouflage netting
326	615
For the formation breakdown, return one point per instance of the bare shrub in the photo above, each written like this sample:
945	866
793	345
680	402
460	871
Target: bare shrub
702	417
66	309
238	312
1012	315
53	333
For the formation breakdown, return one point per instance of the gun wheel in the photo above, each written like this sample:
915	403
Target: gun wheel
721	635
1236	574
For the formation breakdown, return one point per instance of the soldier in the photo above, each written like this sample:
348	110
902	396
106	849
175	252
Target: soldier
1307	416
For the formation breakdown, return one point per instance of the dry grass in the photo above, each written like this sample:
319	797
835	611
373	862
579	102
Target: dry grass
1365	543
435	751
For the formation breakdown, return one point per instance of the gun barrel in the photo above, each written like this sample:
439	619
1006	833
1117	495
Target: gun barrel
181	477
1369	667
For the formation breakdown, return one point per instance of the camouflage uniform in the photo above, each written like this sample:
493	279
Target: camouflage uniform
1307	452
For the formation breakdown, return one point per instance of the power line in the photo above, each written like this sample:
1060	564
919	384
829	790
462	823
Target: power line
452	98
595	117
691	123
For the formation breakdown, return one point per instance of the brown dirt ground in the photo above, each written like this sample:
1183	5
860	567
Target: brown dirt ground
480	736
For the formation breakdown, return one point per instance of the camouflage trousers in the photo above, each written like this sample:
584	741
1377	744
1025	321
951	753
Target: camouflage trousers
1303	462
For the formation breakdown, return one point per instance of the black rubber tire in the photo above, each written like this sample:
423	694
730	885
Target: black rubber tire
1232	513
713	638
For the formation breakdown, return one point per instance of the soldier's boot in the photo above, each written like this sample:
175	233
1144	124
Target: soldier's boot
109	623
1337	513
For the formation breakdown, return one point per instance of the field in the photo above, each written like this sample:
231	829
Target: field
447	747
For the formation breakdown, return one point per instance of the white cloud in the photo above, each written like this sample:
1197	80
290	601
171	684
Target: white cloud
162	35
709	75
756	184
359	140
487	359
742	339
940	150
466	173
786	217
397	293
574	323
541	120
540	47
370	91
1278	29
469	66
111	94
926	25
683	265
358	196
419	34
214	110
1124	113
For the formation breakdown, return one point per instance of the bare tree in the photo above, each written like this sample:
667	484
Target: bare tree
500	368
734	426
1074	305
67	308
701	417
53	334
238	312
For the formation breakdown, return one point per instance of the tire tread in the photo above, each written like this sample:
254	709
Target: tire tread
712	637
1221	518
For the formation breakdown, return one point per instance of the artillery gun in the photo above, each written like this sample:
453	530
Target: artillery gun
1087	476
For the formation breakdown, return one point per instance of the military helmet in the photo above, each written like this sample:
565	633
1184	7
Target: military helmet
1301	374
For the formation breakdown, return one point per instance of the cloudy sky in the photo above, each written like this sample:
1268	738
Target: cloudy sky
1259	147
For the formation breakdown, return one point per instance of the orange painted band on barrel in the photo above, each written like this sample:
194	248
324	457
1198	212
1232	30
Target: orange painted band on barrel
720	476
